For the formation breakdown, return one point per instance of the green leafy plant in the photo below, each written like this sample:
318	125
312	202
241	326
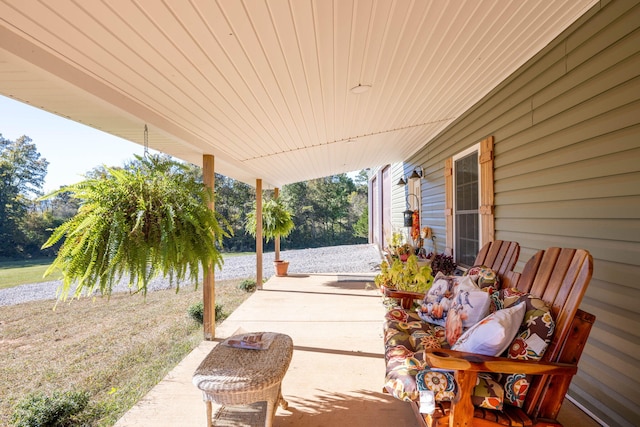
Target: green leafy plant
56	410
196	312
410	276
277	220
248	285
148	219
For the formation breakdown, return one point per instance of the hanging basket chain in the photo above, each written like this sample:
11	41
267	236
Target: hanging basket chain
146	141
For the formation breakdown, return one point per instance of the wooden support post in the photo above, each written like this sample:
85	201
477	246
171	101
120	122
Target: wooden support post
259	233
276	242
209	283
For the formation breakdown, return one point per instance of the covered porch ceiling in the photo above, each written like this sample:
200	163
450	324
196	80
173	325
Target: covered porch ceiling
266	85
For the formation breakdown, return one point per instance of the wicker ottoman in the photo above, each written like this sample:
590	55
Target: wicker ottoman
236	376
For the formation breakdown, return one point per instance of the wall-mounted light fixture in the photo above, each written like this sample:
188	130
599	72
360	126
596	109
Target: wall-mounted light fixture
402	181
417	173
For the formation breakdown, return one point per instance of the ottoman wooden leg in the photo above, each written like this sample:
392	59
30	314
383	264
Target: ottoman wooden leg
209	414
272	406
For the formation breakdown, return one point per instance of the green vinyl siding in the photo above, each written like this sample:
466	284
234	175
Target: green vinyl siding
567	173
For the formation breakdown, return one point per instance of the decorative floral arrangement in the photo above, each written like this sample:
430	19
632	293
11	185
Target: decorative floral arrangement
405	249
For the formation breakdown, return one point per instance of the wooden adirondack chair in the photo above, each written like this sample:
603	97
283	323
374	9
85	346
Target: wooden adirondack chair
560	277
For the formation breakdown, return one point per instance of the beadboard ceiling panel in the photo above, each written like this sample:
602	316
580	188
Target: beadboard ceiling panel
265	85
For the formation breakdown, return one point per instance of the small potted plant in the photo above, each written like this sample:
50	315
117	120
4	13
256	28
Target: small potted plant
404	251
405	281
277	221
443	263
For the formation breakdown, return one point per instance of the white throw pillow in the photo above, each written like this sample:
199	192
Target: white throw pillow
493	334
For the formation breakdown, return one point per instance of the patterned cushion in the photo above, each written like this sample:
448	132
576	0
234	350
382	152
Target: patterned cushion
537	328
530	343
405	342
406	337
487	393
483	276
441	383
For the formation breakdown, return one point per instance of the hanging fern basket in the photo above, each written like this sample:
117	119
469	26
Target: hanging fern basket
277	220
149	219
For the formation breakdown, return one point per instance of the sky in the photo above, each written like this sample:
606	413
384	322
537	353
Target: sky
72	149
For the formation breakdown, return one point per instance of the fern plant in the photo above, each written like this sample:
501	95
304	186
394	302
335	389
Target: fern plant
148	219
277	220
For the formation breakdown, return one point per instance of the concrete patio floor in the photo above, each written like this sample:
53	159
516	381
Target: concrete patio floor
336	374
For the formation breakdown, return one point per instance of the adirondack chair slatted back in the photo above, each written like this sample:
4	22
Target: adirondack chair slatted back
501	256
560	277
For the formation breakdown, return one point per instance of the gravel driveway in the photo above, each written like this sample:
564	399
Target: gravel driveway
334	259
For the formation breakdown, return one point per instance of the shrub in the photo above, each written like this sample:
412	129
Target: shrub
219	312
196	312
247	285
57	410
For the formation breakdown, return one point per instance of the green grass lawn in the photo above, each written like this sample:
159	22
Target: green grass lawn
115	348
14	273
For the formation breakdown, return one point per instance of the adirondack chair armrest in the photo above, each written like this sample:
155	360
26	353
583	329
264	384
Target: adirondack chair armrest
460	361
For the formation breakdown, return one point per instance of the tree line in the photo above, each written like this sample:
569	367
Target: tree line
326	211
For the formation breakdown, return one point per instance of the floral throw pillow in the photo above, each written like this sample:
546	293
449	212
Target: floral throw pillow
536	331
483	276
530	342
437	300
469	305
455	302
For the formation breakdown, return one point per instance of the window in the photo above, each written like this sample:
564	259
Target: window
466	214
469	198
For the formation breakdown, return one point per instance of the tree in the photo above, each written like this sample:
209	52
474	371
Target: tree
147	219
358	206
330	200
327	210
22	173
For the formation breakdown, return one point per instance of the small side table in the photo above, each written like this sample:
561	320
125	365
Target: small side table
236	376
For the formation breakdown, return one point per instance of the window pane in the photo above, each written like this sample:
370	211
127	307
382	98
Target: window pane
467	236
